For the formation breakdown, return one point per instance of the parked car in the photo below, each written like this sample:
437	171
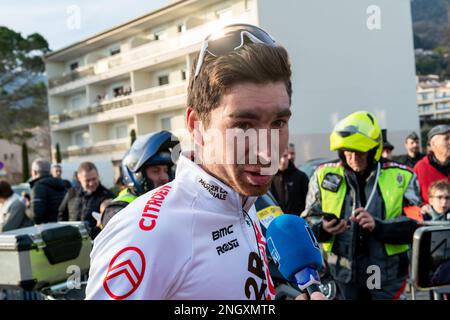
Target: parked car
21	187
311	165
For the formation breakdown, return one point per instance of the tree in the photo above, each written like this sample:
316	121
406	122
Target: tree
25	163
58	154
23	97
133	136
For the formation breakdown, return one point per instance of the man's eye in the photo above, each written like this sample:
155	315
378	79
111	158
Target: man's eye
279	124
243	125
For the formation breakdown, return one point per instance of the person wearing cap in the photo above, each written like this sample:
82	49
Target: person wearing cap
363	201
413	154
386	153
436	165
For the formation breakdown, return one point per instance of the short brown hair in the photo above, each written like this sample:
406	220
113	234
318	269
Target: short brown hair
5	189
255	63
441	185
86	166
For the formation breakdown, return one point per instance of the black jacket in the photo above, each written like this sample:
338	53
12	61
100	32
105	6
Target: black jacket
407	160
78	206
290	188
46	195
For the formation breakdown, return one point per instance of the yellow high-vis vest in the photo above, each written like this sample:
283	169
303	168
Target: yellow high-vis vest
392	183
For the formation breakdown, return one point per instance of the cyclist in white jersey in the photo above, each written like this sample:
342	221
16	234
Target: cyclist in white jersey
198	237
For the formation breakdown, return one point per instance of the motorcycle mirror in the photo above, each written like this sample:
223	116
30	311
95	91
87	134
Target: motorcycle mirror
430	267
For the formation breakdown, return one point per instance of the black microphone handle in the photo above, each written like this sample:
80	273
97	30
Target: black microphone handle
313	288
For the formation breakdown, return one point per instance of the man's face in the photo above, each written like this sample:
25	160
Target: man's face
248	107
284	161
386	153
89	180
412	146
159	174
440	201
440	146
357	161
291	154
56	172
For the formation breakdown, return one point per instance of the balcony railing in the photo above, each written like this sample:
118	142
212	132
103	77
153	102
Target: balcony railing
142	96
95	149
145	51
72	76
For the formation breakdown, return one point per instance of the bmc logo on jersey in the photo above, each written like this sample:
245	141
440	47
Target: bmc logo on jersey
125	273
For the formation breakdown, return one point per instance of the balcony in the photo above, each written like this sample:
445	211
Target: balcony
108	147
143	52
142	96
72	76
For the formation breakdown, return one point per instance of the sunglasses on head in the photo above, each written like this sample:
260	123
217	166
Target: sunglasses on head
231	38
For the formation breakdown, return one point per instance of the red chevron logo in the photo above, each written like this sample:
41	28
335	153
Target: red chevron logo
125	273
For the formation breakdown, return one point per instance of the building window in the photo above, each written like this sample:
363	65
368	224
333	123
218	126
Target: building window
183	74
5	156
181	28
166	124
118	91
224	14
163	80
121	131
78	138
74	66
76	102
442	106
161	35
114	51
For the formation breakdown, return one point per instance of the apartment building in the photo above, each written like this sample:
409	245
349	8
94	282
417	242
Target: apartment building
134	76
433	98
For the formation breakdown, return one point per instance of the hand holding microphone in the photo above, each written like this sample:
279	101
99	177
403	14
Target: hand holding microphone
294	248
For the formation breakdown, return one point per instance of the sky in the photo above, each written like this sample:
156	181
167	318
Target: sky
63	22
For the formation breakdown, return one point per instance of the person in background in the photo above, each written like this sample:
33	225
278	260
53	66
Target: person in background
75	182
387	146
290	186
146	166
436	165
413	154
79	203
291	153
47	193
57	173
438	208
12	209
363	202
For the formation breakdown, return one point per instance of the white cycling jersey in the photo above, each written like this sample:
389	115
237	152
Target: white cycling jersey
189	239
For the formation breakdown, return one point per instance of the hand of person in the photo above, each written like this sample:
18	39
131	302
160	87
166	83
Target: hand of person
425	209
364	219
314	296
334	227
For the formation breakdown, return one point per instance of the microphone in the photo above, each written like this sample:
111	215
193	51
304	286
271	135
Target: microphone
296	251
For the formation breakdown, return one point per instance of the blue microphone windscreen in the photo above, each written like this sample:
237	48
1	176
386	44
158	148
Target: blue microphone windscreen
293	245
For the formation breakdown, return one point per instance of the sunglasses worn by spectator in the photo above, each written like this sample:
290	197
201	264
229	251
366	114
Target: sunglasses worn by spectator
230	38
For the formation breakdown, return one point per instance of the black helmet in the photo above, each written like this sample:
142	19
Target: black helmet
150	150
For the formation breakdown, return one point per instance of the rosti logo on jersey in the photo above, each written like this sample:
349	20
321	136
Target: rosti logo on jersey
125	273
151	208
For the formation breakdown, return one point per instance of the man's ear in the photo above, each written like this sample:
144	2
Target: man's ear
194	125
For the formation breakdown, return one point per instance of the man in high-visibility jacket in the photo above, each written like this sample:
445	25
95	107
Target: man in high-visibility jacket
145	166
363	203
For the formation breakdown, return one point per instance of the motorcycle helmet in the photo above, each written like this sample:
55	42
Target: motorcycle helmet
150	150
358	131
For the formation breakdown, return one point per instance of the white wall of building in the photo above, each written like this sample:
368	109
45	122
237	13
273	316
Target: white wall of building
346	56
